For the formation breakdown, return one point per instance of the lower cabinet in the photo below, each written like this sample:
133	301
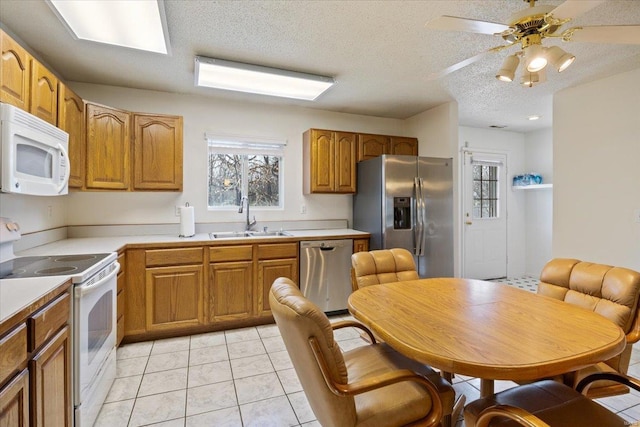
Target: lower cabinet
51	382
268	271
35	364
230	296
174	297
14	401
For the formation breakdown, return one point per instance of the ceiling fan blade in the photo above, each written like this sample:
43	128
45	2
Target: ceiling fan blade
572	8
456	67
616	34
453	23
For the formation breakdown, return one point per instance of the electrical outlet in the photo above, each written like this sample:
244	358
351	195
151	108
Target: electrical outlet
303	209
177	210
636	215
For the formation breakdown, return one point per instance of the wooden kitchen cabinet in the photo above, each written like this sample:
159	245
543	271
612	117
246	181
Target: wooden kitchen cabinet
44	93
404	146
51	382
14	401
35	363
157	152
370	146
108	148
15	75
274	260
71	120
230	285
329	162
174	292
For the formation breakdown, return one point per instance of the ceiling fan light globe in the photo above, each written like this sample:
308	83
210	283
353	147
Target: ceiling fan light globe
559	58
537	64
535	58
508	70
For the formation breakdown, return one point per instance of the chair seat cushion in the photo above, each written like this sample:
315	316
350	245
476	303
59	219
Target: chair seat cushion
384	407
552	402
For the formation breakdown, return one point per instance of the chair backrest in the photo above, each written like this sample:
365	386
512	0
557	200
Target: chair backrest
298	320
383	266
610	291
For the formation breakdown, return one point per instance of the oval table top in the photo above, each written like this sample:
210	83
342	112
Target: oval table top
485	329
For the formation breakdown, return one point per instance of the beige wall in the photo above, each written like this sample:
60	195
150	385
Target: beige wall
596	171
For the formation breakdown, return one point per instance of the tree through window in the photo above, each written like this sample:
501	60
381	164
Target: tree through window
239	168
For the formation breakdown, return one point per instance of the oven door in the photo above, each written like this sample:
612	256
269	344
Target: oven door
94	328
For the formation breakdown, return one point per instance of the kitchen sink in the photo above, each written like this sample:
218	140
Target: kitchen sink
240	234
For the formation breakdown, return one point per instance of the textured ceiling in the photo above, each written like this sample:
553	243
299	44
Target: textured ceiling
380	53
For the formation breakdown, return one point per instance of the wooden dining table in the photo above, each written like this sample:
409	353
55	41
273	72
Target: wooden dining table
485	329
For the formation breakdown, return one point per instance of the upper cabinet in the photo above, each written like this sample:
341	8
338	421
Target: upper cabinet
44	93
403	145
329	161
370	146
16	72
157	152
108	148
71	120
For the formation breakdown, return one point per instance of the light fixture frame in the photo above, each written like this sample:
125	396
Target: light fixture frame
163	23
259	72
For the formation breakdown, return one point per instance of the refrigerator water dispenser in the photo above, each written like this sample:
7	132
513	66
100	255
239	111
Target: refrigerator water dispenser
401	213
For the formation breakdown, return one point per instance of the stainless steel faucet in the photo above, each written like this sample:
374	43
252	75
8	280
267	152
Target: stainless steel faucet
250	224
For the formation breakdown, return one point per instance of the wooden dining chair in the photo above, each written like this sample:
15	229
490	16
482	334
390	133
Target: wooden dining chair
372	385
382	266
547	403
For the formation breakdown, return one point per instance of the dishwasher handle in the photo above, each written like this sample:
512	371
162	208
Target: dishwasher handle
324	245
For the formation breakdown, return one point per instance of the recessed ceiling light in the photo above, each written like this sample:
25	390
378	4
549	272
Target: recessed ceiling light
533	117
139	24
241	77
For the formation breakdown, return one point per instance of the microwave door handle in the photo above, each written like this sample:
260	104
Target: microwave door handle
67	173
81	291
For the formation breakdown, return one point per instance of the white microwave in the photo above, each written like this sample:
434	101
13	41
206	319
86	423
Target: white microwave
33	154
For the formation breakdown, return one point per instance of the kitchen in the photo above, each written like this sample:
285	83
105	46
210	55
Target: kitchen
88	214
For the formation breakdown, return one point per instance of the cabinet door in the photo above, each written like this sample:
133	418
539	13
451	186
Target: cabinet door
44	93
370	146
14	402
230	290
322	161
108	148
15	74
345	163
174	297
405	146
157	152
71	120
120	299
51	382
268	272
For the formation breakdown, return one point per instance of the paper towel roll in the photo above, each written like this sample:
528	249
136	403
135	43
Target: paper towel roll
187	221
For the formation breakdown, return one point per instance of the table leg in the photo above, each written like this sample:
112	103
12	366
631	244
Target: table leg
486	388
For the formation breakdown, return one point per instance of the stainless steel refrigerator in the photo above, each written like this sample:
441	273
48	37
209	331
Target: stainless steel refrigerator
407	202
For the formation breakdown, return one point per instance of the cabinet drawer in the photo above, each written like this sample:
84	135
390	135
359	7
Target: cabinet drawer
13	351
158	257
230	253
278	250
45	323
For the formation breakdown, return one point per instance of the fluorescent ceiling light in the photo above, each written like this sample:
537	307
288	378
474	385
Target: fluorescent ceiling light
236	76
139	24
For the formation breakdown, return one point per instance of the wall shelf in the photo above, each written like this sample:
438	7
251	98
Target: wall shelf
531	187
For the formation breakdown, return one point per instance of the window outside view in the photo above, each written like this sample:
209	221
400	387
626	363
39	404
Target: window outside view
233	175
485	191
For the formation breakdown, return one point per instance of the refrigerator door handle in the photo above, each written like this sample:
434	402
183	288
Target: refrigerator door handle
419	229
423	215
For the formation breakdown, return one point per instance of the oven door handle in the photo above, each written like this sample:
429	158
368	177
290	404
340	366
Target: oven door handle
91	287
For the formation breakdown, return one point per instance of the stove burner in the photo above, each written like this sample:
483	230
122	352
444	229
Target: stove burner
55	270
72	258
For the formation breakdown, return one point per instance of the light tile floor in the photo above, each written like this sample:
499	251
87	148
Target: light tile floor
243	378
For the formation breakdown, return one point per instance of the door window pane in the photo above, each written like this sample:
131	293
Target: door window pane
485	191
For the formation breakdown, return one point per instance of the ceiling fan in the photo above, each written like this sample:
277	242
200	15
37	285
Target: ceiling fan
528	28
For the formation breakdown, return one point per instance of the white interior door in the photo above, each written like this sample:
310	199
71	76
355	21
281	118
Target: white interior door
485	215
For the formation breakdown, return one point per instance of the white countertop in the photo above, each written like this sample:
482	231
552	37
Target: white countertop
16	294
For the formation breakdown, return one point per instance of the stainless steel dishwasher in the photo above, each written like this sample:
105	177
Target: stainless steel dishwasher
325	272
